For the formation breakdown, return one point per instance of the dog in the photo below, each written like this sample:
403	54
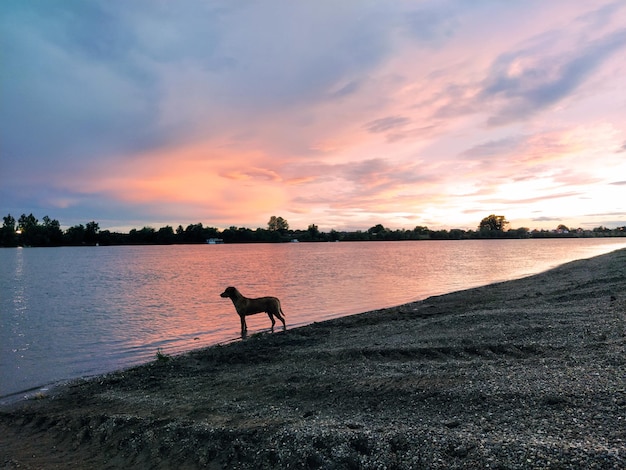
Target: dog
246	306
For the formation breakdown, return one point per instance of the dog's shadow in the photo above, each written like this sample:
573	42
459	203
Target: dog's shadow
263	332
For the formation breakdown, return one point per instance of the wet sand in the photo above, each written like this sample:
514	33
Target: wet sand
529	373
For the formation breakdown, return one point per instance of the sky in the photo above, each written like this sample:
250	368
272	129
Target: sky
344	114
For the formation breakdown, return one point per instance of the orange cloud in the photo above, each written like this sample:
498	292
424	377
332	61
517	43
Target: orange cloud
218	182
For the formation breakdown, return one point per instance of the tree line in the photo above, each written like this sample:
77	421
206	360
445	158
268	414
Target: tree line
29	231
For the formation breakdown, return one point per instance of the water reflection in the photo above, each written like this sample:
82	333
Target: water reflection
19	342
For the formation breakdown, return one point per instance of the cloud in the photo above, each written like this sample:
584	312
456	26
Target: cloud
68	98
425	132
228	112
386	124
602	17
538	198
525	81
496	148
546	219
344	90
534	74
366	186
102	80
253	174
431	24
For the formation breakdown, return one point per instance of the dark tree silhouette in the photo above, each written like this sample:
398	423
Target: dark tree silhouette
493	223
91	233
8	237
277	224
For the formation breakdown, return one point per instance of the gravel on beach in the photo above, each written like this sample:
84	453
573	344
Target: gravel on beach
529	373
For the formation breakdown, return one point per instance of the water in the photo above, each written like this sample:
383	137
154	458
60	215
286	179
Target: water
72	312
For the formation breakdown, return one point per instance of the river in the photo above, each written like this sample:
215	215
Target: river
74	312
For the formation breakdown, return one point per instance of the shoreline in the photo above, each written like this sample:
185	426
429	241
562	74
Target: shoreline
520	374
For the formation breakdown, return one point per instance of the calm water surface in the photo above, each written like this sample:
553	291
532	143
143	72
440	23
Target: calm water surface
72	312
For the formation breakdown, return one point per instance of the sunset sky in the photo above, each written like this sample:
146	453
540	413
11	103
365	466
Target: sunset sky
344	114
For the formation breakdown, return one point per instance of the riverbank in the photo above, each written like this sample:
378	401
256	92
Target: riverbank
529	373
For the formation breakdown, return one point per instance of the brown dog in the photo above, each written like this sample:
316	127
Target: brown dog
246	306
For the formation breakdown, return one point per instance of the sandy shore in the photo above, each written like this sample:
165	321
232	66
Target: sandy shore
523	374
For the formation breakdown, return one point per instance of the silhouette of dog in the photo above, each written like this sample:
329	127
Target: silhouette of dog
246	306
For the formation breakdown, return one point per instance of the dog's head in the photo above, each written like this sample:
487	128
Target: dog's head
230	292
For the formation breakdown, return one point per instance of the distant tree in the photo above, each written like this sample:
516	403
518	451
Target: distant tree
601	230
91	232
29	229
145	236
314	232
194	233
456	234
52	231
26	221
211	232
106	238
165	236
277	224
228	235
421	231
378	228
260	235
244	235
439	235
8	237
9	222
377	232
75	235
493	223
334	235
562	228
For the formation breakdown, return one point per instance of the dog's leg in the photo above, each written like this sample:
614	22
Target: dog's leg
281	318
272	319
244	327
